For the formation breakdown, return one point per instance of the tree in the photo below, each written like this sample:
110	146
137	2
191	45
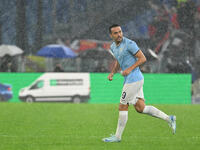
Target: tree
1	24
39	26
0	31
21	32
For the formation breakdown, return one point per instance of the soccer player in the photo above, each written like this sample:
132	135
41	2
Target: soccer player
129	57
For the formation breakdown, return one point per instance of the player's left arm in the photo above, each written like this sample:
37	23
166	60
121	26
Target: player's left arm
141	59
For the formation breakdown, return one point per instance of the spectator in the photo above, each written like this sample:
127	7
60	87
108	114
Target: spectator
169	3
181	1
197	33
7	65
158	31
101	68
186	13
174	18
58	68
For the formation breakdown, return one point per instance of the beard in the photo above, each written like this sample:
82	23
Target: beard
118	40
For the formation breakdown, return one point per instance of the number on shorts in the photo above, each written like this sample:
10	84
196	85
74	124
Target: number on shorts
123	95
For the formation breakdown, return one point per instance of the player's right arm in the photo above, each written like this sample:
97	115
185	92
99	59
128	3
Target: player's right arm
115	69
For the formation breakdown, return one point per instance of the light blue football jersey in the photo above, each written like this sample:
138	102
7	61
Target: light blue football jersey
125	55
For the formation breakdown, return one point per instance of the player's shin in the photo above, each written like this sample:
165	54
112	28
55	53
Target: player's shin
123	117
153	111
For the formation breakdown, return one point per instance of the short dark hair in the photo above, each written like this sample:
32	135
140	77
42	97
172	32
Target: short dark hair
112	26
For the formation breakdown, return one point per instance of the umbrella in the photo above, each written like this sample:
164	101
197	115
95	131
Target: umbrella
56	51
11	50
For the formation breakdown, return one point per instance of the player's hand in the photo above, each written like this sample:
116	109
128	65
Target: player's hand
110	76
126	72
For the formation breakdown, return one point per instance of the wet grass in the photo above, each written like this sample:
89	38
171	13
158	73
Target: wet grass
64	126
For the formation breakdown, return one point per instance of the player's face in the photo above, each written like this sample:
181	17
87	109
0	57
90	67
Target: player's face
116	34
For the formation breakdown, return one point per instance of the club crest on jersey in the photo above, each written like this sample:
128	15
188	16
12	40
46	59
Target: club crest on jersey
121	49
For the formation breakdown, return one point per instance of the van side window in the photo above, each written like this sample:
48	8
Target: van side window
38	85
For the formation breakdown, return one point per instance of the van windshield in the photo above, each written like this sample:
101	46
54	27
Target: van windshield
37	85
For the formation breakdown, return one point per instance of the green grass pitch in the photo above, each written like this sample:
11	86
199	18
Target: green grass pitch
64	126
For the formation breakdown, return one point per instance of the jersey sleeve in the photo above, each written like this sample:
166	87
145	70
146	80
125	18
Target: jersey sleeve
111	50
133	48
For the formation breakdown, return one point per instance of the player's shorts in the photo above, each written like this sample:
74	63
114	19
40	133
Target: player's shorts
131	92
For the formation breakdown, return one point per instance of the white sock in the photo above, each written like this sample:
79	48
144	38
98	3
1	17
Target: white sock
153	111
123	117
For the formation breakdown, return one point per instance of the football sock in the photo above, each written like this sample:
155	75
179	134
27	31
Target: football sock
123	117
153	111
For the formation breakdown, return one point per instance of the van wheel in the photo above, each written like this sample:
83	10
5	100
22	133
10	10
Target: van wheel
30	99
76	99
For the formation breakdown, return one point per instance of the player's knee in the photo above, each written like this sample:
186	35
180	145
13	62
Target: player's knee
139	109
123	107
139	106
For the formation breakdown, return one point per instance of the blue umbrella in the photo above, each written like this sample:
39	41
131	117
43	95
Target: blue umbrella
56	51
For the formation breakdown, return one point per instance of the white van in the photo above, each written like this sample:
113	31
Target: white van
74	87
